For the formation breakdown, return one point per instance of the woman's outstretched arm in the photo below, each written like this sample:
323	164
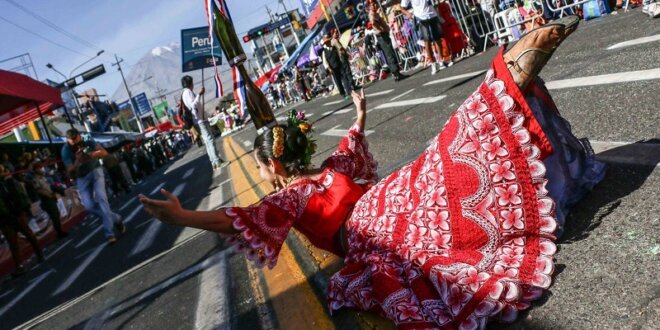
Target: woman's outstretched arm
170	211
360	107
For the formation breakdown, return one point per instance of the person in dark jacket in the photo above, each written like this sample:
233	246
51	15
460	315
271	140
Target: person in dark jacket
14	215
335	59
47	198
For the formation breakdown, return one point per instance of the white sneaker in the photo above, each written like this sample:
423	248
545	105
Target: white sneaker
434	68
645	9
450	63
441	66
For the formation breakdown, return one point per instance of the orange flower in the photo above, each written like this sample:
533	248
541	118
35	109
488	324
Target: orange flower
304	127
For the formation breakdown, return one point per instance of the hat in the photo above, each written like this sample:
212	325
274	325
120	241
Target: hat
326	38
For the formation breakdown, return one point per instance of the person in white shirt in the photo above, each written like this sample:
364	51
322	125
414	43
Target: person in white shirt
193	102
424	11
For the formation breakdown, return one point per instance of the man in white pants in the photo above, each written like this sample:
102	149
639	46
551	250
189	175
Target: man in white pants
193	102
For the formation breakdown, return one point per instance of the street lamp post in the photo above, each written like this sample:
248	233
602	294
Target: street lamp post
75	96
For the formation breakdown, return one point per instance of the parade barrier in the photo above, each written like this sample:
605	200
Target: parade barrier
367	62
406	41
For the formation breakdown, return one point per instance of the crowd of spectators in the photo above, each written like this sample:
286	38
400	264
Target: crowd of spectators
33	185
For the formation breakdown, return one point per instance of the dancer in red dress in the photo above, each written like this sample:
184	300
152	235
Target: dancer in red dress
462	235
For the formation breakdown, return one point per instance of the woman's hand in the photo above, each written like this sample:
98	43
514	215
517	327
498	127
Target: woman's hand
167	210
360	107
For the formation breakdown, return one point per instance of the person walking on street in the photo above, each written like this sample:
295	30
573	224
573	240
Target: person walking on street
193	102
431	28
335	60
384	40
81	159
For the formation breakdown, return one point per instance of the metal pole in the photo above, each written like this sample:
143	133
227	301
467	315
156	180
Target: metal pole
128	91
41	116
203	102
270	58
295	35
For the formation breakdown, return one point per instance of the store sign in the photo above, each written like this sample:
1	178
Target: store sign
196	49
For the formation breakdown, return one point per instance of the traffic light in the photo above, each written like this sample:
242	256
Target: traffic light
246	38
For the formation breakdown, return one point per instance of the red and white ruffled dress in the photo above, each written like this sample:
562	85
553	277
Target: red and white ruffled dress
462	235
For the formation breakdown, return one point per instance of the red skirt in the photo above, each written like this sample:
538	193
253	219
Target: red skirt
464	234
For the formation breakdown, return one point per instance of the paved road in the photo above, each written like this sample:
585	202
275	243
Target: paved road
161	276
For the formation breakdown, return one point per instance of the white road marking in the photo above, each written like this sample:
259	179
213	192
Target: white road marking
212	305
341	132
307	115
423	100
148	237
74	276
334	102
90	235
179	189
157	189
25	291
460	76
247	144
133	213
54	252
188	173
6	293
402	95
612	78
631	153
62	307
635	42
379	93
338	112
127	204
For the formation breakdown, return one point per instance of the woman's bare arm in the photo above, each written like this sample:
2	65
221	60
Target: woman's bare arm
360	107
170	211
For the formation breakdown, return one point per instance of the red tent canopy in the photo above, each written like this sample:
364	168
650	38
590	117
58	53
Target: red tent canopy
23	99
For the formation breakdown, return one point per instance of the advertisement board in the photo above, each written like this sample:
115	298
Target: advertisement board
161	109
196	49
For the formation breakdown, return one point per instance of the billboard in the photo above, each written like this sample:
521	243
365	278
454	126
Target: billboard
142	106
196	49
161	110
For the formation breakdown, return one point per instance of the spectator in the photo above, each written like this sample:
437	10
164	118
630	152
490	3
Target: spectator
14	214
7	163
48	198
118	181
193	102
382	31
335	60
430	23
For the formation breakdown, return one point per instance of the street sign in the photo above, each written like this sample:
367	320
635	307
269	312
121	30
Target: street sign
142	104
196	49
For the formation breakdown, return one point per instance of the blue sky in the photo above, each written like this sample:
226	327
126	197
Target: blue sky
128	28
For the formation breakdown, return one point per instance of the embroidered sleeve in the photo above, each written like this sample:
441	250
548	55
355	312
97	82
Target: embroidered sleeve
353	158
263	227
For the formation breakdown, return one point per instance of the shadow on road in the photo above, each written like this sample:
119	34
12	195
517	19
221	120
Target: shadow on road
619	182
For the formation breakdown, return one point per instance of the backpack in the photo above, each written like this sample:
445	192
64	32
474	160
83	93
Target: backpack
185	114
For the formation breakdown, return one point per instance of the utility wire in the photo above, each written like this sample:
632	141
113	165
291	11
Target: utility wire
53	25
44	38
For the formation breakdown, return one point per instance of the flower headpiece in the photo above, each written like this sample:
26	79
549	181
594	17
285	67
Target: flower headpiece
298	120
278	141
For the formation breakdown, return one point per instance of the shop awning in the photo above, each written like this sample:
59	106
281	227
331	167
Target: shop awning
23	99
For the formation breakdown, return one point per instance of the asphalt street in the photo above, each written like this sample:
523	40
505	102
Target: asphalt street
159	276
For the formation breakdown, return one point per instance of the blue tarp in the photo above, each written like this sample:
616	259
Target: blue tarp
304	47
